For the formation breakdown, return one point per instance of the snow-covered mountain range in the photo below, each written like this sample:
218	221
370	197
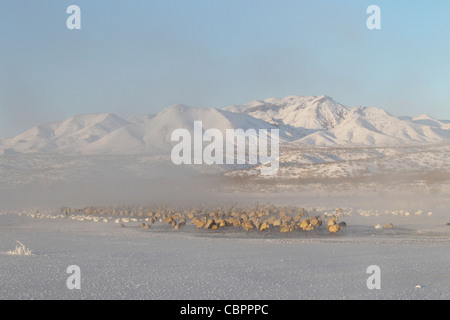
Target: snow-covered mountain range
302	120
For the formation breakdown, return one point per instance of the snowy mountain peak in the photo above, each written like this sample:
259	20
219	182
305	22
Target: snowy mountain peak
308	112
102	121
179	107
423	117
432	122
310	120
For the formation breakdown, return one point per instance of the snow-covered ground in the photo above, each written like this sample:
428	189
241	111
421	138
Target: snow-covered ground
330	162
160	263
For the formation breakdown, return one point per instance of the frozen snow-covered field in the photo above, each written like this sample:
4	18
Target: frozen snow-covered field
160	263
408	187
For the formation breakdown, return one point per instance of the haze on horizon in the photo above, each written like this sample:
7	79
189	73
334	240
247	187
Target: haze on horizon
140	57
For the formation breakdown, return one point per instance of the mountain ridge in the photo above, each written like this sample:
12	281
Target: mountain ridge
310	120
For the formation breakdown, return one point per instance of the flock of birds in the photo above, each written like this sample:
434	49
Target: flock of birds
257	217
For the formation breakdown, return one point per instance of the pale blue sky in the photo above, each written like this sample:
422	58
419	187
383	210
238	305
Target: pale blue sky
136	57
